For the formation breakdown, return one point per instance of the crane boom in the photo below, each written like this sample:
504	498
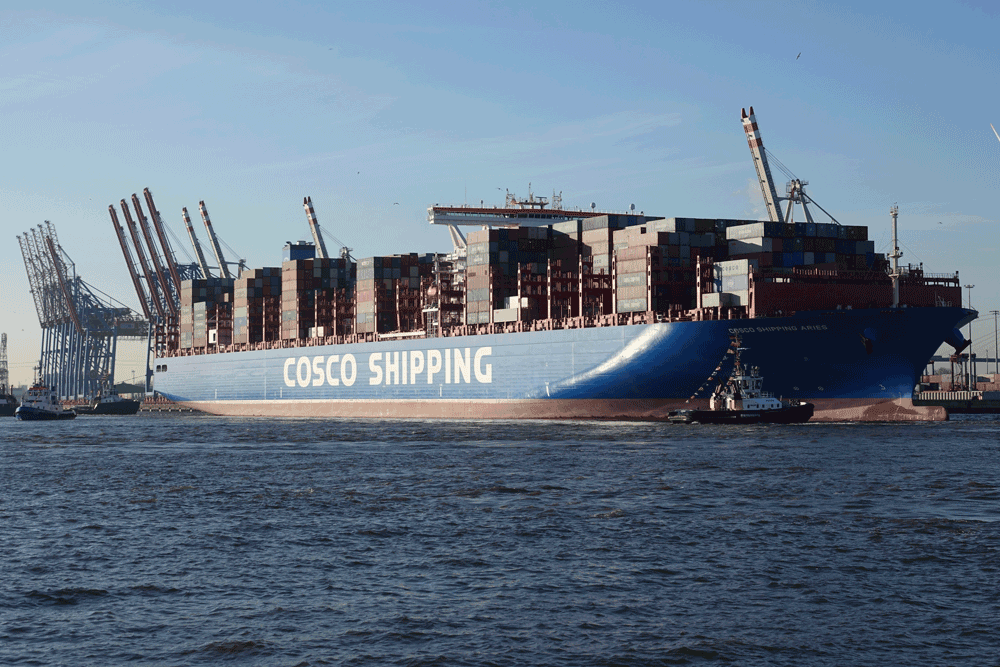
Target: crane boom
307	204
197	246
214	241
161	276
760	162
147	311
134	233
168	253
63	287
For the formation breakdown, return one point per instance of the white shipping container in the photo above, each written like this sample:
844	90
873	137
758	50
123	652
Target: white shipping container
505	315
734	267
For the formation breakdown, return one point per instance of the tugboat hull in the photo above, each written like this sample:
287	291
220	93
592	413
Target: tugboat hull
31	414
792	414
122	407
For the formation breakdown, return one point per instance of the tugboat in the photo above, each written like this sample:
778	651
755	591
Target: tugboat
110	404
41	402
741	400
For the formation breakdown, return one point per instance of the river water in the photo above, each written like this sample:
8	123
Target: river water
197	540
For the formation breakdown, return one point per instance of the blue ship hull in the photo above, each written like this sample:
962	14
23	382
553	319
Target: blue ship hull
851	364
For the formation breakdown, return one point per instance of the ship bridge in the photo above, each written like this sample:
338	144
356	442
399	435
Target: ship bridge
501	217
534	211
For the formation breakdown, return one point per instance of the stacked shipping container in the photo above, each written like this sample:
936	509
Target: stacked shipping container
388	289
256	311
494	261
586	267
206	312
787	245
312	292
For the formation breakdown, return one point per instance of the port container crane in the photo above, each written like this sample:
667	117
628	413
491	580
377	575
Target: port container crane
214	242
317	235
170	299
80	328
795	192
144	300
168	253
760	163
144	263
4	373
194	243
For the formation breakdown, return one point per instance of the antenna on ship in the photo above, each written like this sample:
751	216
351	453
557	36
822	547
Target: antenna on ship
895	255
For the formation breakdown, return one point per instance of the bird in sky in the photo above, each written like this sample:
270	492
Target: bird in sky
395	203
797	57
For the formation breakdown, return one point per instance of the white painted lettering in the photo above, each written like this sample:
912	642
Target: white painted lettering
416	365
373	366
320	378
289	382
484	376
392	367
303	378
349	378
462	366
433	364
334	358
447	366
402	368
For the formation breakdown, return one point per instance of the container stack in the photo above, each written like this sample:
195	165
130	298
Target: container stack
253	291
306	286
334	297
654	264
495	261
731	284
379	306
787	245
206	312
565	251
564	288
597	238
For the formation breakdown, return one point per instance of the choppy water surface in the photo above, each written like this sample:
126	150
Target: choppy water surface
180	540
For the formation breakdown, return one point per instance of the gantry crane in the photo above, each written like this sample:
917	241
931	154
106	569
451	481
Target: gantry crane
317	233
157	283
194	243
795	192
307	204
213	241
80	329
155	298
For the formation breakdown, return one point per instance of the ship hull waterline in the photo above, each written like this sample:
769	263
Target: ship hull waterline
852	365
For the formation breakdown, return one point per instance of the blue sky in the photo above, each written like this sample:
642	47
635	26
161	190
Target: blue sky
252	107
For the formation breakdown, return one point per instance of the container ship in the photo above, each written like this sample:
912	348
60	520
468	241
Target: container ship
549	313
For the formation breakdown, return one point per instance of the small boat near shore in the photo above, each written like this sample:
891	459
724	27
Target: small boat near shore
111	404
40	402
8	404
742	400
